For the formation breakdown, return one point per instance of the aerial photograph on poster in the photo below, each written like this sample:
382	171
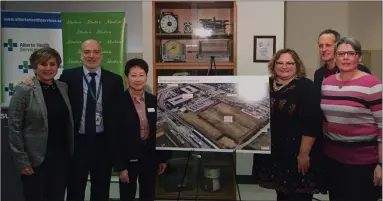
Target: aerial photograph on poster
213	113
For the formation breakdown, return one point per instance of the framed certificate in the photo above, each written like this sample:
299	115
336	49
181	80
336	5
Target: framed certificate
264	48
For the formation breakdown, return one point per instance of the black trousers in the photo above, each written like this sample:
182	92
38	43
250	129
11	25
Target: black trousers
348	182
294	196
48	182
91	155
145	171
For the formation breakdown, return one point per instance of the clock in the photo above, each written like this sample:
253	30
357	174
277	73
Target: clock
168	23
173	50
188	28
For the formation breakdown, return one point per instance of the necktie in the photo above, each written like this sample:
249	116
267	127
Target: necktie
90	113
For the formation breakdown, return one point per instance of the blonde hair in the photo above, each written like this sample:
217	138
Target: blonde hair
301	70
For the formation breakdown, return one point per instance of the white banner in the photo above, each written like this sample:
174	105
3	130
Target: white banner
23	33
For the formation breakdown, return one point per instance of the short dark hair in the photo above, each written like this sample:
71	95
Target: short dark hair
42	55
330	31
140	63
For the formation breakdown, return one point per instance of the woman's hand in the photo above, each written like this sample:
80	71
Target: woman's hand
303	163
378	176
27	171
124	176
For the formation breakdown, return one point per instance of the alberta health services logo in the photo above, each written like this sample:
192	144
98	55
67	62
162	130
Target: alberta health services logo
24	47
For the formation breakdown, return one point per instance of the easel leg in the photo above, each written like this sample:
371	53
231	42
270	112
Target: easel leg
184	176
200	166
235	174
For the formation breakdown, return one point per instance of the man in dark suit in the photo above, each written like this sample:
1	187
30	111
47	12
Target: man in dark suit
326	43
136	155
92	93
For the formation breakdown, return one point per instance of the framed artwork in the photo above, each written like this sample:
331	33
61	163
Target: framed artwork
264	48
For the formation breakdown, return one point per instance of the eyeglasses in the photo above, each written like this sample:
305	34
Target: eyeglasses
288	64
342	54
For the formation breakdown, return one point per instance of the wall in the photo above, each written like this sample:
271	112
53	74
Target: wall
256	18
365	23
305	20
132	11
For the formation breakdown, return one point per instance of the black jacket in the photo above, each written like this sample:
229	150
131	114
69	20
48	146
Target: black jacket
128	143
112	88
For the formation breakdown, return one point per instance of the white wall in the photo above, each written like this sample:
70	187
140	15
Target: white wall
132	9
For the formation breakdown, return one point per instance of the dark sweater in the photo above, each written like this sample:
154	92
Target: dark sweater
58	115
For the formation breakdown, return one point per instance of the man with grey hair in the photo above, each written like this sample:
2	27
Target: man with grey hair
92	93
326	43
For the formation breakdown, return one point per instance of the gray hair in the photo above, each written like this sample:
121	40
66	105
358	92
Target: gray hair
355	44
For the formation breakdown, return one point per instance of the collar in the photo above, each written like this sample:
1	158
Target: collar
133	96
98	71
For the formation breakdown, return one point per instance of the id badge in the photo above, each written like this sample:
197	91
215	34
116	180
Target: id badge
98	118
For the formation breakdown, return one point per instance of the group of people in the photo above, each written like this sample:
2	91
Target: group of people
326	134
84	124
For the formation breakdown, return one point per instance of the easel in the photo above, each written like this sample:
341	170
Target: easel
200	158
212	65
212	68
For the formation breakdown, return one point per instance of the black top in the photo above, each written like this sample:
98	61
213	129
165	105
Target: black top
58	117
128	147
295	112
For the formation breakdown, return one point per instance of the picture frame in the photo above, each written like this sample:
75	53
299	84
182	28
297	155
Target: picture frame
264	48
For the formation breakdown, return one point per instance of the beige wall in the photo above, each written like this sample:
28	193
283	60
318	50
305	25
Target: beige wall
256	18
360	19
305	20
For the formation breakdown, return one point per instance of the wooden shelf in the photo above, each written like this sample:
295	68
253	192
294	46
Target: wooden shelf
201	65
163	4
192	36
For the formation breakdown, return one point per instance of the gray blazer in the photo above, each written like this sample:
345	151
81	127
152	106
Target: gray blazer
28	124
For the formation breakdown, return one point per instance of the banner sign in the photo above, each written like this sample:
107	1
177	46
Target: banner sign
106	27
22	33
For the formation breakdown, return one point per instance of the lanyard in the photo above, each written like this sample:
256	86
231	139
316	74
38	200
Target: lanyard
91	91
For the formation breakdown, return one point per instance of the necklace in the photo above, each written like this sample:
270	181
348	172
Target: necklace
277	86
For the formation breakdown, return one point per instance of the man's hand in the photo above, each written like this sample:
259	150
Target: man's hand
124	176
303	163
378	176
27	171
161	168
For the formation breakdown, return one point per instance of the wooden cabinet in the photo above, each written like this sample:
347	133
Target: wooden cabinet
194	38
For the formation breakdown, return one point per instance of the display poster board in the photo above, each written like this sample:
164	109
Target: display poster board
213	113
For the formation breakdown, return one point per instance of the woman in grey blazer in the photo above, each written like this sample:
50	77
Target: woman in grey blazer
41	130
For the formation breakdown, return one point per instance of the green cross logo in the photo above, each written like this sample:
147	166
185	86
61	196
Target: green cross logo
25	67
10	44
10	89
